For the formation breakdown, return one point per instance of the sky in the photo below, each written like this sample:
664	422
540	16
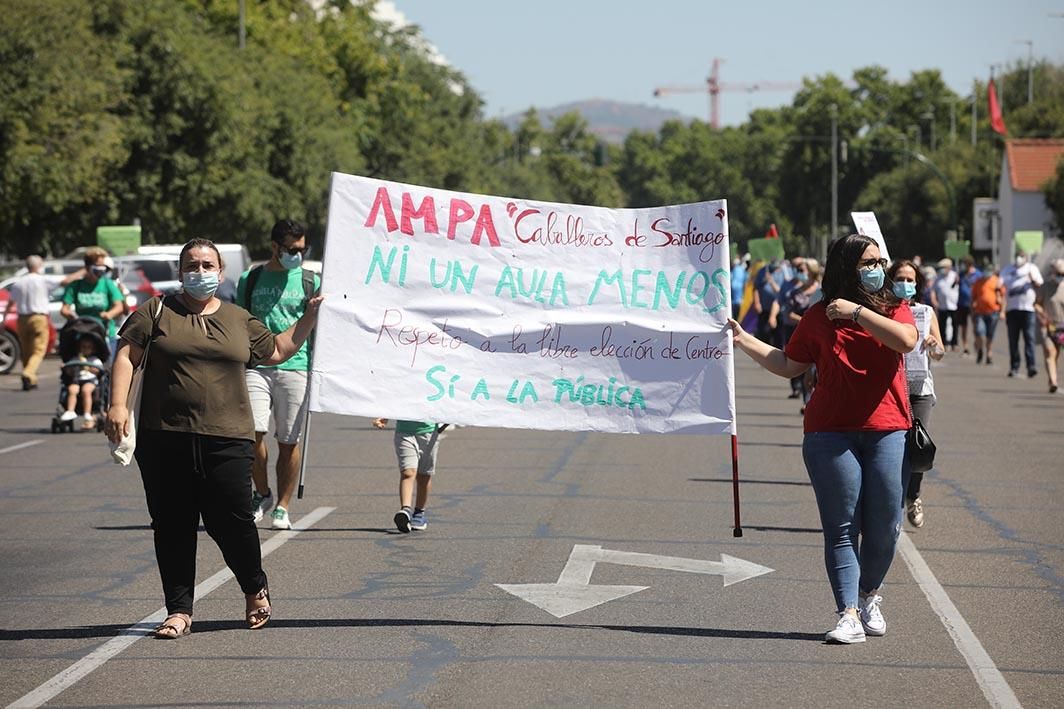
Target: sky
542	53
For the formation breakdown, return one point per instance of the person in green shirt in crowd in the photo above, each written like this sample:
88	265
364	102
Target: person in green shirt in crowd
95	295
277	294
416	445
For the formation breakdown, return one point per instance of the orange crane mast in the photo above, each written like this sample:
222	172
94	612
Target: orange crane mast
714	86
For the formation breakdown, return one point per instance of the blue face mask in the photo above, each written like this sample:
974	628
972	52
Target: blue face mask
291	261
872	280
201	285
802	276
905	290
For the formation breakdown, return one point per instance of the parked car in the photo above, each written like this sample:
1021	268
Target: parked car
161	270
10	350
137	286
236	257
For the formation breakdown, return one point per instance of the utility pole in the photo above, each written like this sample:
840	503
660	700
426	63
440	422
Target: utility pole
1030	68
241	34
975	100
834	180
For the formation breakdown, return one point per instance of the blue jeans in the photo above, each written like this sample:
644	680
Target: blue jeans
985	325
1021	321
857	478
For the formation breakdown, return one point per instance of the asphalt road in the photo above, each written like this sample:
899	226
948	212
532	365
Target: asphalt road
367	616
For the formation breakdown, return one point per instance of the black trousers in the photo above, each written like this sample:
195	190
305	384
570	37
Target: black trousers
187	476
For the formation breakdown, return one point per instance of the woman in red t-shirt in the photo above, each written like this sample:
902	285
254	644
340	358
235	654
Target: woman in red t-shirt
855	423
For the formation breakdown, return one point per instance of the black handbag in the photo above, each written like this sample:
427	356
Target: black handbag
919	448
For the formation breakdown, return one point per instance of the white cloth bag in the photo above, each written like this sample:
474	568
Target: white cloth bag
122	452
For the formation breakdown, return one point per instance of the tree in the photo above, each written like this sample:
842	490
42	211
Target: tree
60	137
1054	191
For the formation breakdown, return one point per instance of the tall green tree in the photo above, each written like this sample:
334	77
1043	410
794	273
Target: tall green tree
60	133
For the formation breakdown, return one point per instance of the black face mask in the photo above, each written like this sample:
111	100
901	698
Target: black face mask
99	271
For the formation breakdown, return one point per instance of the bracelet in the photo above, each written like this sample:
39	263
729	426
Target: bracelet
857	312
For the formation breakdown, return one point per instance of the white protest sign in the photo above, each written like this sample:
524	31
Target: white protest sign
868	225
485	311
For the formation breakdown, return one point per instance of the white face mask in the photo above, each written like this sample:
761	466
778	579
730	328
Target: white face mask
1020	260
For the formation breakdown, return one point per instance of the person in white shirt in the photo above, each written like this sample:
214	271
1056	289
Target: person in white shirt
29	298
947	292
907	282
1021	280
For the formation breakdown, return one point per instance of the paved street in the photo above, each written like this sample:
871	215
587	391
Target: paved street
367	616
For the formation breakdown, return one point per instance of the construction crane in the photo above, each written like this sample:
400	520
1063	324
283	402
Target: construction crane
713	87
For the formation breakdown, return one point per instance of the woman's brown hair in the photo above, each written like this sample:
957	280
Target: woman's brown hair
842	280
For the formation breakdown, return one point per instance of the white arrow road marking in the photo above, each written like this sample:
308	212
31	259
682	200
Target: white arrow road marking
573	592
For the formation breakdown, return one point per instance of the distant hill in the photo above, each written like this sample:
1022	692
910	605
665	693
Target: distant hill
609	120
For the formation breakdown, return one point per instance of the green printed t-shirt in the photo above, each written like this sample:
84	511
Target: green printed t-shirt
91	299
414	427
279	301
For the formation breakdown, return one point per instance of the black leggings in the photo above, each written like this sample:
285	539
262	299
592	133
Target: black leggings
921	406
187	475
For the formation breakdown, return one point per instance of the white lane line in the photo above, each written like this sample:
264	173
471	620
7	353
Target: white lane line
135	632
20	446
996	690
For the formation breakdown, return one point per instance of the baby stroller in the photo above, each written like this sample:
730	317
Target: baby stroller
81	341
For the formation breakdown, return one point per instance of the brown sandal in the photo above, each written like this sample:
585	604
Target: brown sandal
258	616
175	626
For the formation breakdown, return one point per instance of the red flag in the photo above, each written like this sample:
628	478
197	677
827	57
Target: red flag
996	121
772	233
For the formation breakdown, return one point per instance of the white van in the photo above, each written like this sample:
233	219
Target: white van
236	256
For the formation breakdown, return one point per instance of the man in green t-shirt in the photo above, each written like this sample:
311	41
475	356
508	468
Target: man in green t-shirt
95	295
277	293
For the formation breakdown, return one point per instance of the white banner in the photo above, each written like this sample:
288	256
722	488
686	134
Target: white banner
868	225
485	311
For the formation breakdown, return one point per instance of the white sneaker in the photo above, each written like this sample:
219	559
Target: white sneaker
847	631
280	518
871	617
68	416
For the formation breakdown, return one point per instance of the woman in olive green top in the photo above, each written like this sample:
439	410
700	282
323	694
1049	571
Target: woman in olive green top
195	433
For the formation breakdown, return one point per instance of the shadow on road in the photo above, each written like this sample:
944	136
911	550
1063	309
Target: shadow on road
747	481
213	626
795	530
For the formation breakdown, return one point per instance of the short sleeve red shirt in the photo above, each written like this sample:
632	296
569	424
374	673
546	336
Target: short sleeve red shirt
860	382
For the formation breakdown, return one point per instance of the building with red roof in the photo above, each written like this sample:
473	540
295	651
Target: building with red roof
1027	165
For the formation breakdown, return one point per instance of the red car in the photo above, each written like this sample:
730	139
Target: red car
10	350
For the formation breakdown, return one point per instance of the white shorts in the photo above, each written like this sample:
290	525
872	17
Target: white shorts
284	392
417	451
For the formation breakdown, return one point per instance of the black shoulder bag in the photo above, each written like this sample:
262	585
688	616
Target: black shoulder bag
919	448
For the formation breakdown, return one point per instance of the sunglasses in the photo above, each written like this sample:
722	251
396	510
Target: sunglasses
294	250
869	264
